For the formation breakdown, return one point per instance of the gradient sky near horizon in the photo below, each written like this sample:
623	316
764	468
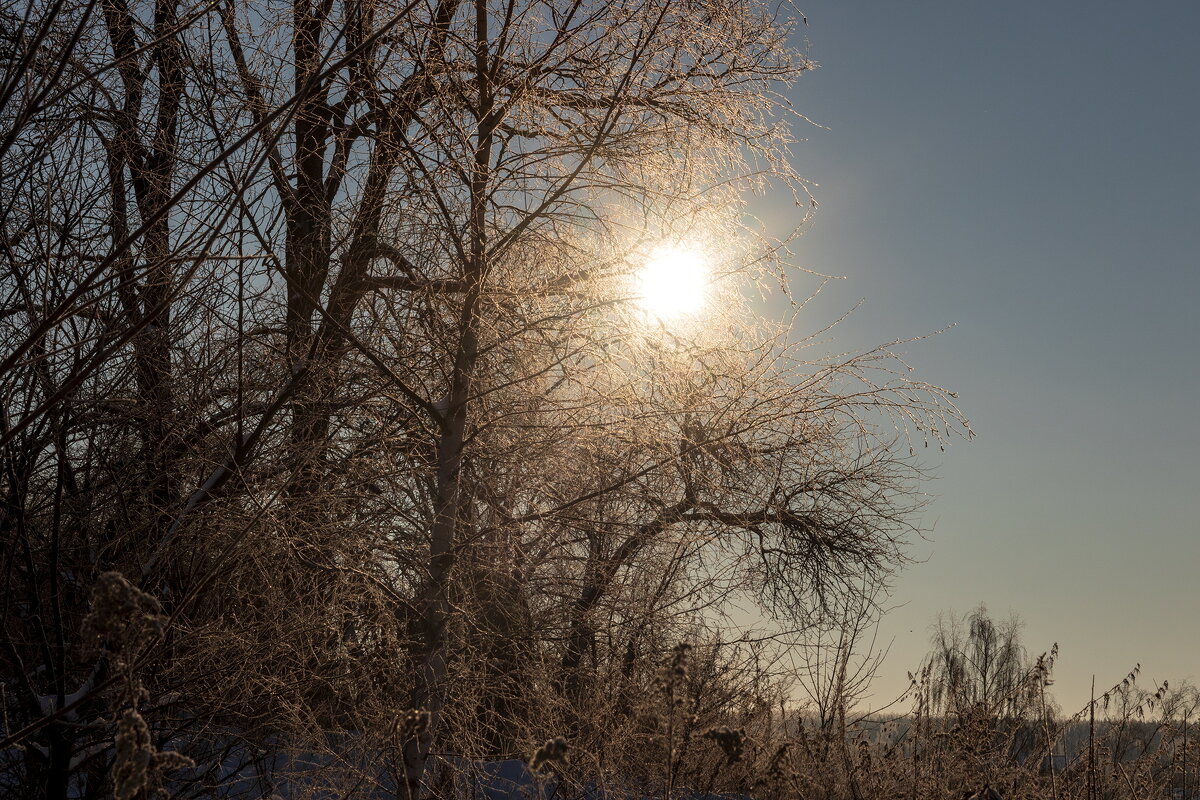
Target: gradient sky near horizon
1029	172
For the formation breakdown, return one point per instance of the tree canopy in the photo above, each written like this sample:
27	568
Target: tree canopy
333	421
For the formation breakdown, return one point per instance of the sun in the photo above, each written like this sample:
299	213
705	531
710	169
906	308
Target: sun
673	282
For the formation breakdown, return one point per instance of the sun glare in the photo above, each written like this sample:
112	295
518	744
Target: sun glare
673	282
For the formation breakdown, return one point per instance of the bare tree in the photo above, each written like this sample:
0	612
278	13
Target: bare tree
839	657
322	350
978	663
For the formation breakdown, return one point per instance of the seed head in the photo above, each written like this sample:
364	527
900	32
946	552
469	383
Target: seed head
679	660
732	741
414	722
553	750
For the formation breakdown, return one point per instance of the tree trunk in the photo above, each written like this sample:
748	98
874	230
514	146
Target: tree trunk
449	500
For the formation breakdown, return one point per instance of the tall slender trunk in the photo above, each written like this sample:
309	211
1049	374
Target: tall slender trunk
159	286
595	582
151	163
598	576
449	498
307	255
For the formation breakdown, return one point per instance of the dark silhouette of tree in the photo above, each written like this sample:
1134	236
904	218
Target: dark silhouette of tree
978	665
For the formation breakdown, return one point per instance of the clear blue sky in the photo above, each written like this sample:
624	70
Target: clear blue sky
1031	172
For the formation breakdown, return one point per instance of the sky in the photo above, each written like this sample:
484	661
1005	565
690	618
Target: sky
1029	173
